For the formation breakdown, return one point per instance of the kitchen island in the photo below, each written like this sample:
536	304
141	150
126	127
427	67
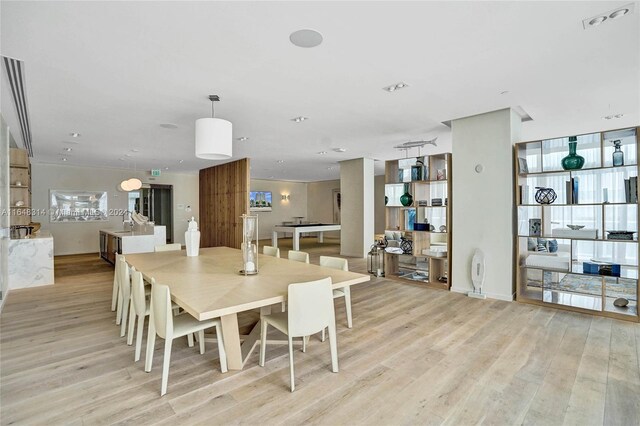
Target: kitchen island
31	261
142	240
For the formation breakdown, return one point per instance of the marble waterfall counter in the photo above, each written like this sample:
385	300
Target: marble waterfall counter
114	241
31	261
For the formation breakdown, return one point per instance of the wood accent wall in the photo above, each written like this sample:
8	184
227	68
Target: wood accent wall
224	197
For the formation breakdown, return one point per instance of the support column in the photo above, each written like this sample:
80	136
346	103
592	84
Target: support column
357	207
483	217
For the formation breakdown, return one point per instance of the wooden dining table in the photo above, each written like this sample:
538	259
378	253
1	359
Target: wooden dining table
210	286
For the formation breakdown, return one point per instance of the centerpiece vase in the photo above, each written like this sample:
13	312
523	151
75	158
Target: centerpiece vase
572	161
406	199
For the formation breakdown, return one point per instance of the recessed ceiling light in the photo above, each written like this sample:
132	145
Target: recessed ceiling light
280	161
306	38
395	87
74	135
618	13
181	161
243	138
64	159
330	168
135	150
340	149
127	155
322	152
504	92
169	126
597	21
67	149
299	119
166	168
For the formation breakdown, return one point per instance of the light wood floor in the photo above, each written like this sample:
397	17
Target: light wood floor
414	356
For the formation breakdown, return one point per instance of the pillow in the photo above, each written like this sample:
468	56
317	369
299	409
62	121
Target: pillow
553	246
531	244
389	235
542	245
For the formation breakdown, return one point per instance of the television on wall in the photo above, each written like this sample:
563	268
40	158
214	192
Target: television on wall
260	201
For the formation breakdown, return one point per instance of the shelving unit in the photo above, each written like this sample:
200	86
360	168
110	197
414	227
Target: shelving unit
20	171
426	178
576	269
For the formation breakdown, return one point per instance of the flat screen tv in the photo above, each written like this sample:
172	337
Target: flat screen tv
260	201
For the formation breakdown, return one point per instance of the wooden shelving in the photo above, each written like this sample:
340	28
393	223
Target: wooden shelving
574	269
20	171
426	179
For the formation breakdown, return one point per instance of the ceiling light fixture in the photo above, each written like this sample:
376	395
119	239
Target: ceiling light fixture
213	136
299	119
306	38
340	149
169	126
68	149
64	159
395	87
280	161
608	16
74	135
322	152
243	138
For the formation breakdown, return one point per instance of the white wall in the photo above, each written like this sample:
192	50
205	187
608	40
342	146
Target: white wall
357	188
283	211
74	238
483	202
320	203
4	207
379	208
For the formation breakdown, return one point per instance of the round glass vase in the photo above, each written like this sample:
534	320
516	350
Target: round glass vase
572	161
406	199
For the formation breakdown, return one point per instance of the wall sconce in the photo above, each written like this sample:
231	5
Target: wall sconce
286	197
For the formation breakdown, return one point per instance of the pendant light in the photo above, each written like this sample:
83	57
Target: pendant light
213	136
131	184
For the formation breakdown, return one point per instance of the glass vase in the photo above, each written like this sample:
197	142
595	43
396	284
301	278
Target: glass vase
406	199
572	161
618	155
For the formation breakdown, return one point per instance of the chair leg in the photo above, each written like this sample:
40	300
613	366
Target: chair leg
263	341
132	320
151	344
200	338
283	307
114	296
333	344
125	313
190	339
323	336
293	380
221	352
139	337
119	307
165	364
304	344
347	305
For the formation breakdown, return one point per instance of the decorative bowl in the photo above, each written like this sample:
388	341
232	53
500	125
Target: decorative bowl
575	227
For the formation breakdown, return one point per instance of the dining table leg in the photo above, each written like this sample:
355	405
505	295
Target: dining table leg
296	240
231	336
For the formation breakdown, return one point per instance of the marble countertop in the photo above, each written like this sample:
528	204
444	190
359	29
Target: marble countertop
40	235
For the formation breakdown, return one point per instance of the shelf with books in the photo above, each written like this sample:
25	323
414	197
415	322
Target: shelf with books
423	219
581	249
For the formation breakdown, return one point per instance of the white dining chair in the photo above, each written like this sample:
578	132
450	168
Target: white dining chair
168	327
140	308
342	264
310	310
298	256
169	247
271	251
124	293
116	288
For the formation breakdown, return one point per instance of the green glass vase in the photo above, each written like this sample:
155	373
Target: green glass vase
572	161
406	199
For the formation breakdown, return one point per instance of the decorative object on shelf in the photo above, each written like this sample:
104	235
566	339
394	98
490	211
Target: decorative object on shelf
18	183
598	268
406	199
631	190
436	202
523	168
441	174
443	228
420	226
477	275
545	195
575	227
618	155
386	200
621	302
572	161
375	260
406	245
248	247
535	227
423	203
620	235
213	136
192	238
19	203
432	228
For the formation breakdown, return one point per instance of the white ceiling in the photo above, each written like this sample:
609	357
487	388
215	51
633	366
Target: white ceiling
114	71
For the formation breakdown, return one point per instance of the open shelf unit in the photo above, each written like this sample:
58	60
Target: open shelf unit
425	222
19	172
584	269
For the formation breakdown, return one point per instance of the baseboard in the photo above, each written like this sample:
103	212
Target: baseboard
506	298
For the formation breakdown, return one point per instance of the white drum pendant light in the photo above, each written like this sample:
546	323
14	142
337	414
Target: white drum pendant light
213	136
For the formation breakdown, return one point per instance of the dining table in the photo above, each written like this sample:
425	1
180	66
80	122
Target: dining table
210	285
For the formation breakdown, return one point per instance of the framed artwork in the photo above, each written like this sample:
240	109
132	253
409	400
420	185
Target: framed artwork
337	201
77	206
522	166
535	227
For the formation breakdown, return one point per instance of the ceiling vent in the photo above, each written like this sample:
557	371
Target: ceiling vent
15	74
606	17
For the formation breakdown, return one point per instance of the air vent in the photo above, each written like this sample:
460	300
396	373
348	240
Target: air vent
15	74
